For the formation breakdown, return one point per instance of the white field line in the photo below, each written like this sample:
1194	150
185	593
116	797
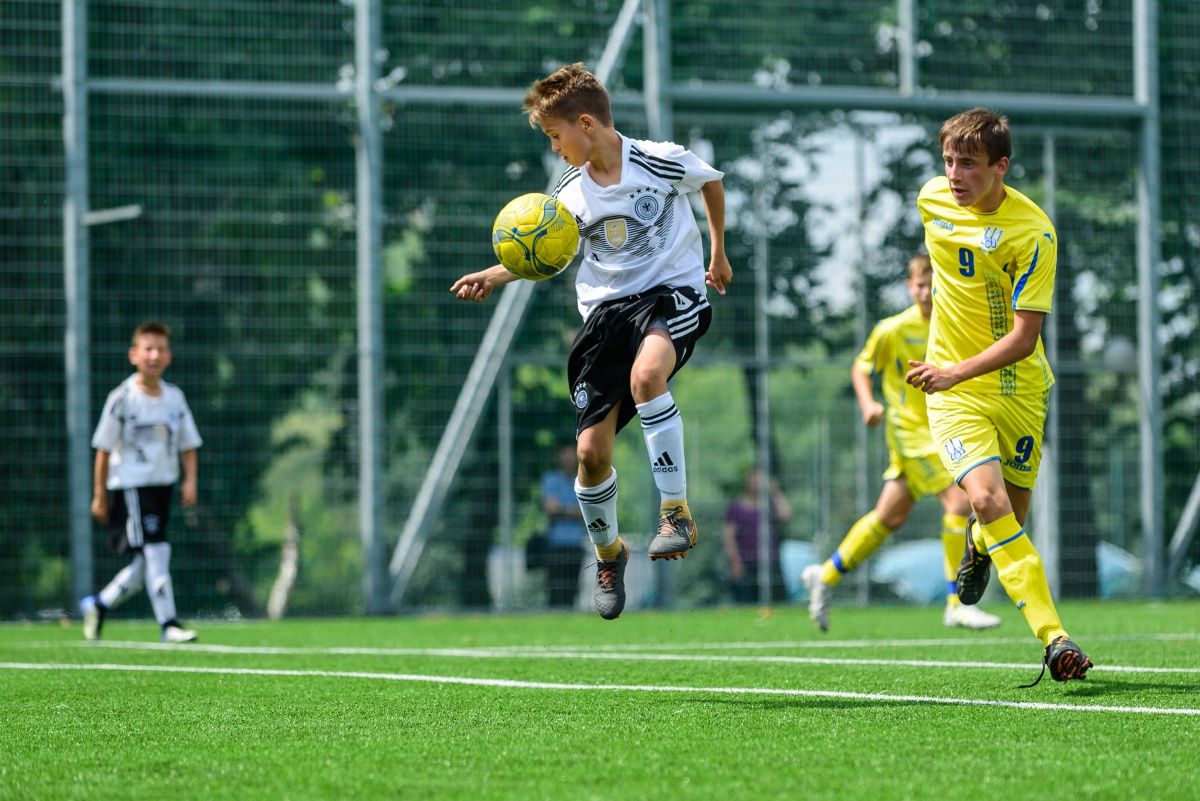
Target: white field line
538	685
567	653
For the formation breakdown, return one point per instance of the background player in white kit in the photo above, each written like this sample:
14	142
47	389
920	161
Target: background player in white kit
146	430
641	289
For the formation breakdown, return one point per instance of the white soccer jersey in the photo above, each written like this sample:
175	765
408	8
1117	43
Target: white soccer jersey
145	435
640	233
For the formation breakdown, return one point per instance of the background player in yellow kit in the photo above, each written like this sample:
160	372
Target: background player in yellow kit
994	256
914	468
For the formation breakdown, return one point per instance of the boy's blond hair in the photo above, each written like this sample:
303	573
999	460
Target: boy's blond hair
919	265
152	327
978	131
567	93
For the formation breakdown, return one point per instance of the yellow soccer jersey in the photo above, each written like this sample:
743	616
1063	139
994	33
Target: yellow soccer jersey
892	343
985	266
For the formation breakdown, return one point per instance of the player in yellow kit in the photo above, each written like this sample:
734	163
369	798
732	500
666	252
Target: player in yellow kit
994	255
914	469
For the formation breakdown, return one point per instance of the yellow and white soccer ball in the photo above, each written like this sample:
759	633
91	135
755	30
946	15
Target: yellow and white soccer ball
535	236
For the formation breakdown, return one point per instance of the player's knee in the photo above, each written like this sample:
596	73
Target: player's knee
646	382
892	519
594	458
990	504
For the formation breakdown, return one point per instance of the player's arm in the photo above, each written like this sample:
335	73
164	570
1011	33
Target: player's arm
719	272
1011	348
477	286
100	486
187	490
872	410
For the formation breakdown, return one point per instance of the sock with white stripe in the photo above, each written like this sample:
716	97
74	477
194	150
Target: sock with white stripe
599	507
662	427
158	581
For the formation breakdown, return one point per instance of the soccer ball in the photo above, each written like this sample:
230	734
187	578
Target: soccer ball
535	236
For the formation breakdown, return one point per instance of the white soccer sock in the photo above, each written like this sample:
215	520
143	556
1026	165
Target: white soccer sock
663	428
599	506
124	584
158	581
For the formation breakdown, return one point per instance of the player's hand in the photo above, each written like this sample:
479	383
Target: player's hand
873	414
928	378
719	273
100	508
473	286
187	493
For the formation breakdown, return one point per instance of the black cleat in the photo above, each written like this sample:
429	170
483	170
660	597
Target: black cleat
974	570
1066	661
609	593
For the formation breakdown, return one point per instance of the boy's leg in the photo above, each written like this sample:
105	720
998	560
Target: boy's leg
954	540
662	427
162	593
128	581
864	537
598	502
1018	565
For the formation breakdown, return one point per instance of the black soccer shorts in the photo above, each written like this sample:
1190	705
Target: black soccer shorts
603	352
137	516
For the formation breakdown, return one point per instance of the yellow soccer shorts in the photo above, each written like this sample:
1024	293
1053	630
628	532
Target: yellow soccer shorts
970	429
925	475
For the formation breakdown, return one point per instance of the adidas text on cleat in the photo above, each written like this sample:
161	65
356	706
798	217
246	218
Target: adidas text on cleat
610	585
974	571
91	618
820	596
676	535
969	617
178	634
1066	661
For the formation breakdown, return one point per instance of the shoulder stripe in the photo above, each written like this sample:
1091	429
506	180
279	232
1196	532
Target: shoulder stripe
1020	285
662	167
572	174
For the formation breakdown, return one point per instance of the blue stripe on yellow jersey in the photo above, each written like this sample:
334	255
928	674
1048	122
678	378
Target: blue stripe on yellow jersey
985	267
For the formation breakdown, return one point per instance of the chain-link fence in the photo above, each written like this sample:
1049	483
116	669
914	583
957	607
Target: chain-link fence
209	158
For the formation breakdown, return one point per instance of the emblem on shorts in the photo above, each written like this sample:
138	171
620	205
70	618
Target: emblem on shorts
150	524
954	448
616	233
581	398
646	207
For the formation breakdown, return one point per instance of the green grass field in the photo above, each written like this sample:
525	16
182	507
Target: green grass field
722	704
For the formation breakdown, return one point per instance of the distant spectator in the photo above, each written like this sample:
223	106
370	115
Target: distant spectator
741	540
566	537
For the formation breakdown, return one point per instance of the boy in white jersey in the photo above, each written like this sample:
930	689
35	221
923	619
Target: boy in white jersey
145	431
914	470
994	256
641	290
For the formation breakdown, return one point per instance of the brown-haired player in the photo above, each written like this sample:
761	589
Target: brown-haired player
146	430
640	287
985	372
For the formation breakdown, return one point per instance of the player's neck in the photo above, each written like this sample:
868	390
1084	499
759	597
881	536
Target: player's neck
992	202
604	165
149	385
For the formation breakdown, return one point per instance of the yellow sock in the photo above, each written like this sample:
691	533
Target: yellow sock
666	507
608	553
954	540
1022	575
864	537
